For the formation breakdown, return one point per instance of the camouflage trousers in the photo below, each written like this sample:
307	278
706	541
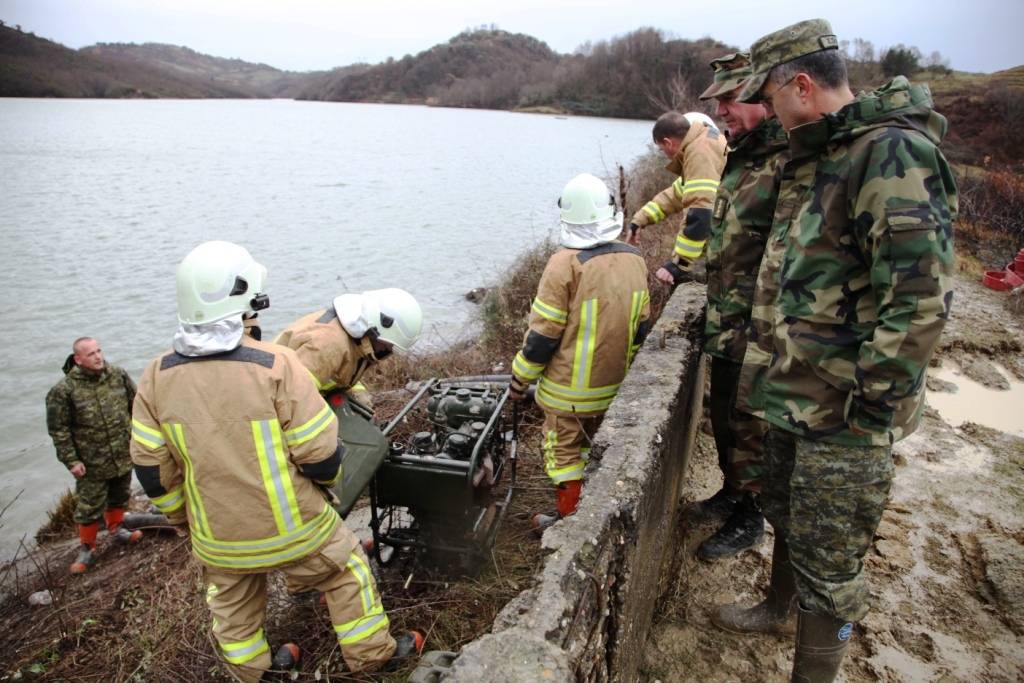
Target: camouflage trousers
739	436
96	495
826	500
566	444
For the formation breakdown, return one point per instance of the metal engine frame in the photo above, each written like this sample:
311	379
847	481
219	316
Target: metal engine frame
428	502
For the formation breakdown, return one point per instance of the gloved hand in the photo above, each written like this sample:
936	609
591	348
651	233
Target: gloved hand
633	234
517	390
673	274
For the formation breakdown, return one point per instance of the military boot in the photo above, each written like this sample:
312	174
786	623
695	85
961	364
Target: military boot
744	529
821	642
776	613
87	535
407	645
718	506
114	517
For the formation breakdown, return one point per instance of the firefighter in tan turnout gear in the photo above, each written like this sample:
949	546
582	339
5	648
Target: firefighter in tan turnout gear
340	343
231	437
697	150
587	322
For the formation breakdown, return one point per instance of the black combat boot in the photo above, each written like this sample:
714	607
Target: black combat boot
821	642
718	506
744	529
777	613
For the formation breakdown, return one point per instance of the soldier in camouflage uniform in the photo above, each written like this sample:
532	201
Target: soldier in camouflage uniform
741	219
853	292
88	415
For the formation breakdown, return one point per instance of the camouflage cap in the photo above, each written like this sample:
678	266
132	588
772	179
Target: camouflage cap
785	45
730	72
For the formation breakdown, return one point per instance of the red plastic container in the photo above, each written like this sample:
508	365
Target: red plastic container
1002	280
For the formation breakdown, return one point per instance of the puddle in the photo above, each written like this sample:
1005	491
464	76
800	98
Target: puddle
974	402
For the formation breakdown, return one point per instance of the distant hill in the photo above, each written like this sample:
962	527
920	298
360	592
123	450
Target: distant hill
31	66
475	68
637	75
234	75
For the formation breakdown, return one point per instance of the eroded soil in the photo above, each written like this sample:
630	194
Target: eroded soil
947	584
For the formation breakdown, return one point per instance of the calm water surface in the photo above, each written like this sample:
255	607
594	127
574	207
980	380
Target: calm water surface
100	200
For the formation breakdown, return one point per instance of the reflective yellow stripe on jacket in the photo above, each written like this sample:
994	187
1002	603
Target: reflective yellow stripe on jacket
687	248
274	469
147	436
268	552
198	521
544	310
528	370
654	211
697	185
295	539
640	299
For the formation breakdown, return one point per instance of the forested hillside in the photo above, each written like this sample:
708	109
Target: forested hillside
31	66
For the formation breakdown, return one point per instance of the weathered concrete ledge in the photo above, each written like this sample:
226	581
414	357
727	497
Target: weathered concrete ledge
588	615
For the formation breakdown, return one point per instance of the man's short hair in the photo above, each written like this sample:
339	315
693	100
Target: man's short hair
671	124
827	68
74	345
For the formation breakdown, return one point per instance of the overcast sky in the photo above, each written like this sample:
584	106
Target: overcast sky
302	35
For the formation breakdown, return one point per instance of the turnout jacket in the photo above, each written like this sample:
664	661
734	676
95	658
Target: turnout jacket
740	222
856	282
698	163
236	443
332	356
88	416
586	323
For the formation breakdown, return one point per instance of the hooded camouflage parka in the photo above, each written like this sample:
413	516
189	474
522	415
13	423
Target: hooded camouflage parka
89	417
856	282
740	222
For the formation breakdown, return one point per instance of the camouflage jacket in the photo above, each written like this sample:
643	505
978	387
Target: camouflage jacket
89	419
740	222
856	281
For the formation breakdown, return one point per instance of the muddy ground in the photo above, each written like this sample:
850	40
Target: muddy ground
947	565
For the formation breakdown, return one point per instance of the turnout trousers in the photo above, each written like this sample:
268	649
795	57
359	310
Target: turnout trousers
339	569
566	444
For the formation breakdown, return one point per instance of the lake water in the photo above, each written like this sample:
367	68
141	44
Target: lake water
100	200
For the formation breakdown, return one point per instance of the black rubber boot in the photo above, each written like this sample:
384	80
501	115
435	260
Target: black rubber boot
744	529
409	644
718	506
776	614
821	642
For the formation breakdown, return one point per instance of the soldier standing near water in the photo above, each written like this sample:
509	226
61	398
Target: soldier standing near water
88	415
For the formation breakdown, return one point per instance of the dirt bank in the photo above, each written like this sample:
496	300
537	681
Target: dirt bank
945	569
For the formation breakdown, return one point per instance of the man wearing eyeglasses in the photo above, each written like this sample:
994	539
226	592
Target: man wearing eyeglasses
853	292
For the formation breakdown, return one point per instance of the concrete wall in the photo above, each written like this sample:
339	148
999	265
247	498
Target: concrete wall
587	616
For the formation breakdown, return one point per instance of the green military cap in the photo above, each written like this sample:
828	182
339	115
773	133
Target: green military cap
730	72
785	45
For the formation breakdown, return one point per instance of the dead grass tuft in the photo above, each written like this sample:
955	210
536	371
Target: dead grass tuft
60	519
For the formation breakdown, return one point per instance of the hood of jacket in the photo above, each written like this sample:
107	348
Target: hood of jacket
898	104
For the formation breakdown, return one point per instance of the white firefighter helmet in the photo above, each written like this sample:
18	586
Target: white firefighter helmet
393	313
588	213
218	280
694	116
